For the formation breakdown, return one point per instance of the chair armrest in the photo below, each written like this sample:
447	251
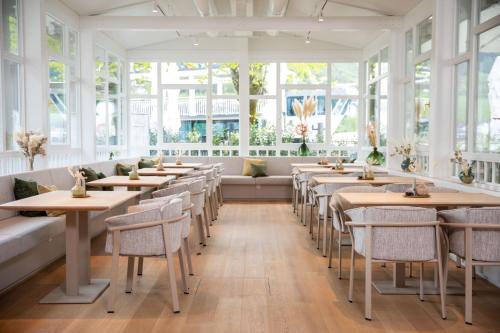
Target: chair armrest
188	209
146	224
392	224
471	226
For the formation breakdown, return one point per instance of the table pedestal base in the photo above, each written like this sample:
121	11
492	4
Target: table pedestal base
412	287
86	293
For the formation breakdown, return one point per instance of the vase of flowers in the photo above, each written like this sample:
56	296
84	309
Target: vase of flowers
465	174
375	157
178	160
31	144
407	152
303	112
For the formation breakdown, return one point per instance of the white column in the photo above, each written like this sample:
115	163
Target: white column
88	96
441	114
244	97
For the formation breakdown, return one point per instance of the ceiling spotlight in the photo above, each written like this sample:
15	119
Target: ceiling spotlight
196	42
308	38
155	6
321	18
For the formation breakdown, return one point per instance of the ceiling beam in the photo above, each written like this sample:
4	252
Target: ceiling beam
202	24
277	8
206	8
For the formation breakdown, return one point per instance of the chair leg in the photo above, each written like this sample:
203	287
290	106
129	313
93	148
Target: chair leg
330	249
368	286
185	287
318	230
203	240
411	270
114	272
173	283
206	215
188	255
325	232
311	230
207	225
140	264
442	276
340	256
130	274
208	209
421	284
351	275
220	195
214	206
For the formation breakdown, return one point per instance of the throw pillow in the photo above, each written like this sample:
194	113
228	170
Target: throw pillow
25	189
258	170
100	175
123	169
45	189
90	175
247	162
146	163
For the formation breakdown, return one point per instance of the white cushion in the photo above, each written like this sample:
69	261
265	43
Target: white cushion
238	180
6	195
274	180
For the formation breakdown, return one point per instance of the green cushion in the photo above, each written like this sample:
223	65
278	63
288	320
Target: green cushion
123	169
90	175
145	163
258	170
25	189
100	175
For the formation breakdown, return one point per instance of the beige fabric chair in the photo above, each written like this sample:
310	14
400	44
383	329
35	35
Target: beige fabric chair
219	167
151	233
474	236
395	234
339	218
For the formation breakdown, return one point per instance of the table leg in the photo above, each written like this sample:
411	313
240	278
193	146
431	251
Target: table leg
72	244
84	248
399	275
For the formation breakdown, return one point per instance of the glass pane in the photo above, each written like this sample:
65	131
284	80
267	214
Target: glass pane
409	110
344	123
58	116
113	67
384	87
185	115
11	74
461	104
372	88
112	88
372	69
184	72
424	33
225	79
422	100
382	125
101	128
384	60
371	111
143	78
114	115
10	21
143	122
55	36
463	24
226	123
488	85
303	73
100	86
100	61
409	52
345	78
73	45
262	122
262	79
488	9
316	124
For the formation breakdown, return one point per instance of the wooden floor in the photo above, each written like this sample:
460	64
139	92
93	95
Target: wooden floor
259	273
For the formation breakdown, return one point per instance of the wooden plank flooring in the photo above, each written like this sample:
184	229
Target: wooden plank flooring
259	273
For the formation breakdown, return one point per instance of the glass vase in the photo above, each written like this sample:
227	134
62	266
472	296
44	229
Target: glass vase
304	149
405	165
466	178
375	157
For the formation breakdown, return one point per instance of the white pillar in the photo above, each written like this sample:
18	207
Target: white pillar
244	97
88	96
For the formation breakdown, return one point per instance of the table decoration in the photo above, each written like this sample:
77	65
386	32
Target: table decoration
160	166
339	164
407	151
375	157
31	144
178	160
465	175
303	112
133	175
78	190
323	161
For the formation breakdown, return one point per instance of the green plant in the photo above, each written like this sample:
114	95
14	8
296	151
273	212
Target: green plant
194	136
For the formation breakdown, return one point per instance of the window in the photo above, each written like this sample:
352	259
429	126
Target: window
409	52
488	9
487	120
422	101
461	104
463	26
110	99
63	99
424	35
345	101
11	112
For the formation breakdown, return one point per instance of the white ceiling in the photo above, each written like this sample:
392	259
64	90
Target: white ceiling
135	39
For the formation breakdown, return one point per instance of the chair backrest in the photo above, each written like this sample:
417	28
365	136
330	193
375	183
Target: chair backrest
197	196
398	187
147	241
171	190
437	189
486	243
396	243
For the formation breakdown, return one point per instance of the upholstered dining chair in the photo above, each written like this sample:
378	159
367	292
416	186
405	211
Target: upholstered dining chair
473	236
295	190
339	219
211	174
311	199
150	233
220	169
394	234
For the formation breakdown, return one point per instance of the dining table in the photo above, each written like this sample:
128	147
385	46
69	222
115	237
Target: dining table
326	170
377	180
176	172
316	165
192	165
131	184
400	285
78	287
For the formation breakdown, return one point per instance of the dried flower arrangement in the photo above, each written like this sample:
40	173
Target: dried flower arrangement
31	143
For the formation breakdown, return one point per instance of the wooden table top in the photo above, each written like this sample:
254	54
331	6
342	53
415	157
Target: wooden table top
319	169
183	165
378	180
125	181
165	172
329	165
435	199
62	200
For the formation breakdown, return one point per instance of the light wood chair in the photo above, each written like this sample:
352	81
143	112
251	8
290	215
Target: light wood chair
219	167
398	235
150	233
339	219
473	236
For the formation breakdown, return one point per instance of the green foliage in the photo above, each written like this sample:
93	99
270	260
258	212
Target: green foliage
306	73
194	136
12	34
262	135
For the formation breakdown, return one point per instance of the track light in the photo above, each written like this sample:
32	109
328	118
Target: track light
308	38
155	6
196	42
321	18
